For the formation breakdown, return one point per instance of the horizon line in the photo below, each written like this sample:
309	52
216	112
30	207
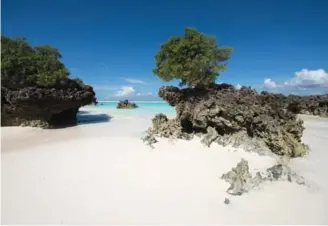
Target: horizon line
138	101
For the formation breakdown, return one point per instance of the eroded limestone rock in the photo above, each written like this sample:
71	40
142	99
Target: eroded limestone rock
226	201
44	106
241	180
210	136
310	105
226	115
150	139
125	104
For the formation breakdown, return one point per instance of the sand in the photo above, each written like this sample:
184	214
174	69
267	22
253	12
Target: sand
102	173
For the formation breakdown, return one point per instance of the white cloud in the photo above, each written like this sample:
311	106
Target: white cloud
238	86
269	83
145	94
135	81
125	91
307	79
302	80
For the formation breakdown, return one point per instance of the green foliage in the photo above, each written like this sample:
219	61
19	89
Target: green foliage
23	65
79	81
195	58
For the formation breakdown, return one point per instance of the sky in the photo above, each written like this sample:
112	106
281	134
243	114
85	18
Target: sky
279	45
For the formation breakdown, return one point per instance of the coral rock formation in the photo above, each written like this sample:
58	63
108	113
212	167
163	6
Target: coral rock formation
241	180
44	106
310	105
225	113
126	105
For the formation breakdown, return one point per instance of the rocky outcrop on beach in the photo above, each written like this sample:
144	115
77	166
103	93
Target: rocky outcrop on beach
164	127
226	115
44	106
310	105
126	104
242	181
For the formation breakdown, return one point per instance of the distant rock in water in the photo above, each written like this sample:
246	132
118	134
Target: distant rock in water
220	113
126	105
44	106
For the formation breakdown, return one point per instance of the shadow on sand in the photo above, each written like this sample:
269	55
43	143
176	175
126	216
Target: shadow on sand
83	112
85	118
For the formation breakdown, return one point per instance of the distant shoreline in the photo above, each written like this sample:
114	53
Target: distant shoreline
137	101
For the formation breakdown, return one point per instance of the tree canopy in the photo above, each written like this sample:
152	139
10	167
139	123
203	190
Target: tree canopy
195	59
23	65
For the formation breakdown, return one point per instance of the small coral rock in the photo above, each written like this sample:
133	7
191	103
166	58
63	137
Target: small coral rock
126	105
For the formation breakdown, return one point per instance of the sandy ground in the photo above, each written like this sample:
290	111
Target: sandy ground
102	173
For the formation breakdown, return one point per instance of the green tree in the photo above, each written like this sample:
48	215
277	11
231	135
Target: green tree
79	81
23	65
195	59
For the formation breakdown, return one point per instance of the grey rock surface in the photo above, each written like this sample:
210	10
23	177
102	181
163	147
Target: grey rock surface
230	116
310	105
241	180
44	106
226	201
126	104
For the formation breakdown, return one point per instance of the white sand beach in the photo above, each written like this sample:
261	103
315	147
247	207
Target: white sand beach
102	173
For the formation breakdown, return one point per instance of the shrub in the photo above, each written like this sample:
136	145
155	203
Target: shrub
195	59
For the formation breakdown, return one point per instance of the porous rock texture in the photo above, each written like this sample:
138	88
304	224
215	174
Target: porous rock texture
164	127
44	106
310	105
230	116
242	181
125	104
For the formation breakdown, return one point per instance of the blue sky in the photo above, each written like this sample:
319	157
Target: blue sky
279	45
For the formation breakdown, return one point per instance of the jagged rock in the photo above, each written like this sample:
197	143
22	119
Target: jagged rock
169	128
242	140
210	136
283	172
126	105
44	106
159	121
226	201
237	117
164	127
311	105
149	139
241	180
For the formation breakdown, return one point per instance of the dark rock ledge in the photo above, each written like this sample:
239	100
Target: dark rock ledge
45	106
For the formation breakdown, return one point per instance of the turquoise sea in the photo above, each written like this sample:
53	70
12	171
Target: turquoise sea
145	109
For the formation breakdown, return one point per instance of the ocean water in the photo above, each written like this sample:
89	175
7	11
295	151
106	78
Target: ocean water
145	109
